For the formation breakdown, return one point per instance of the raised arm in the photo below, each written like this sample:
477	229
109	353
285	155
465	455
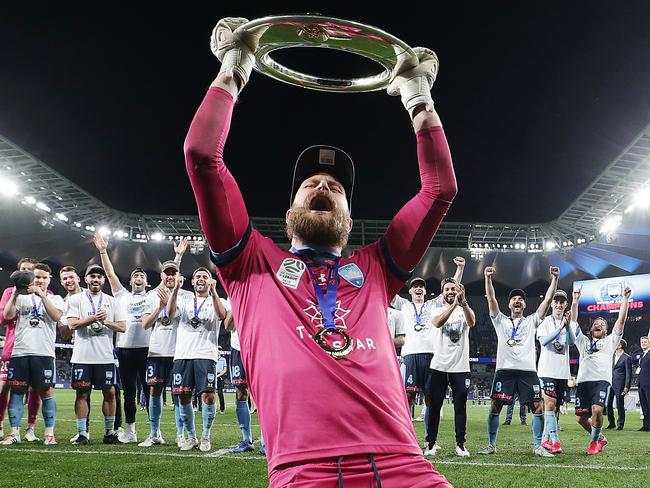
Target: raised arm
173	297
543	307
410	232
459	261
149	319
179	250
102	246
619	325
575	303
493	305
216	301
222	211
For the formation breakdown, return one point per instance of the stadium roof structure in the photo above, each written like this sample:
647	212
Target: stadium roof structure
610	195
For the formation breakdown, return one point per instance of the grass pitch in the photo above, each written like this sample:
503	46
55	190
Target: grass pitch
625	462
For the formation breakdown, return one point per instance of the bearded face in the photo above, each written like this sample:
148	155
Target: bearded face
319	216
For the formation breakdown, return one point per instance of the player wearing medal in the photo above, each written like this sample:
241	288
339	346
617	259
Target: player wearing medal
132	345
595	372
32	357
161	350
417	350
349	417
450	363
515	370
94	317
196	353
556	334
33	399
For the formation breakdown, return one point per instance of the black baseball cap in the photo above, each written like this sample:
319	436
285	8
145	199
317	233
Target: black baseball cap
445	281
517	292
95	268
417	279
324	159
169	265
138	270
22	280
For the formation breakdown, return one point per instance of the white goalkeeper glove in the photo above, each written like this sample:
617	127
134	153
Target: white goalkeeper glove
234	48
413	83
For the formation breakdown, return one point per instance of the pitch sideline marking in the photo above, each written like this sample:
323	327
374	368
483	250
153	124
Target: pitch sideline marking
222	453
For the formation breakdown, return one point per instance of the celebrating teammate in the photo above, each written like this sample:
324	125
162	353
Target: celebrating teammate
595	372
94	317
342	389
33	399
195	357
515	371
450	363
32	357
556	334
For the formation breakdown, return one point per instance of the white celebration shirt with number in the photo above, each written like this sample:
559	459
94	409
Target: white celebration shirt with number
451	343
422	341
133	305
162	342
554	357
520	356
93	344
200	341
596	365
39	339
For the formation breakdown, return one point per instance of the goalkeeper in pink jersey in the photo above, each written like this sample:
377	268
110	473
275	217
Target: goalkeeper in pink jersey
310	312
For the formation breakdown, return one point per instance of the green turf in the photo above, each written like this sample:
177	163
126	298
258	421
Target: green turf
625	461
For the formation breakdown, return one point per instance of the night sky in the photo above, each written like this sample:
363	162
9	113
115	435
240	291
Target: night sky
536	100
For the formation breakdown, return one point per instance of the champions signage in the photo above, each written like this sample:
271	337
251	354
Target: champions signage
603	296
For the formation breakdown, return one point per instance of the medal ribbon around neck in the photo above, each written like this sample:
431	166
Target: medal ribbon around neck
418	317
327	306
515	329
92	304
36	309
198	310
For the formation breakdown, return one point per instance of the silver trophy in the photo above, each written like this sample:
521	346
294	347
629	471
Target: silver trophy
290	31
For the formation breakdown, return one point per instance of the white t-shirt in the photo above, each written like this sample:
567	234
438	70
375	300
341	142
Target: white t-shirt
597	365
38	339
163	337
554	357
451	343
133	305
395	322
93	344
520	356
199	341
417	341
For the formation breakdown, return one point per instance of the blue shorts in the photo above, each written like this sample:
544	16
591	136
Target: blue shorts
589	393
554	388
87	376
508	382
417	371
237	373
35	371
194	375
159	370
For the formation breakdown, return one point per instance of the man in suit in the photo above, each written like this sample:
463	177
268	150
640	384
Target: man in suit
621	381
643	361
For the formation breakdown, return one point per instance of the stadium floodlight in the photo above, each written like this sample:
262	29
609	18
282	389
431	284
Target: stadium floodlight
91	228
30	200
104	231
642	198
610	224
8	188
77	225
61	217
549	245
43	207
157	236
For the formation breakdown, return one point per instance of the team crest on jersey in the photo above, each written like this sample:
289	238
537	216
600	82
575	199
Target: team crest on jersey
109	375
467	382
47	373
290	272
536	388
352	274
602	394
210	377
313	312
